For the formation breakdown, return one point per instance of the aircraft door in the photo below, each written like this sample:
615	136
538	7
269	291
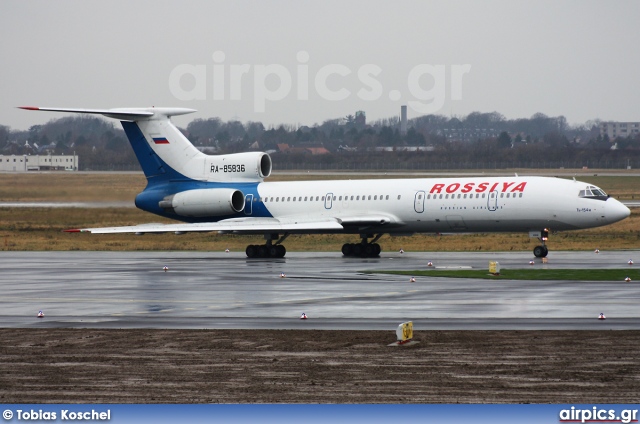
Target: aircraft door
418	203
328	201
492	200
248	204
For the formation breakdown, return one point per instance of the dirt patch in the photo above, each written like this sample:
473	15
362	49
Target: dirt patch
284	366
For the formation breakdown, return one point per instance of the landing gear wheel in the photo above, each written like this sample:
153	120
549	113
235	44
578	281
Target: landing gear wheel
264	251
251	251
364	249
361	250
540	251
368	250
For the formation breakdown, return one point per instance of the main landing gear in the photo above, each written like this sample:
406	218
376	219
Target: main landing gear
364	249
269	249
542	251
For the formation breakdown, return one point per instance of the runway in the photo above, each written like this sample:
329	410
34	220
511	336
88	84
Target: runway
227	290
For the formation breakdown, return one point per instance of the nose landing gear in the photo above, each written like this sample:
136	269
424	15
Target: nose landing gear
542	251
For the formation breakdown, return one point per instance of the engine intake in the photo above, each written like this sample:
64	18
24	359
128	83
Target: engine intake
204	202
251	166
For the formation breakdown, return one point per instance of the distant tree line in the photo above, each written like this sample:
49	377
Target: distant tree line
476	141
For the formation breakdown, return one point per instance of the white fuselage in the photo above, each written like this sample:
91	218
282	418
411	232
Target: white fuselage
446	204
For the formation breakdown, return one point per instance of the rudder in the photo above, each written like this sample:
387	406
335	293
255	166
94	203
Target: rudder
149	160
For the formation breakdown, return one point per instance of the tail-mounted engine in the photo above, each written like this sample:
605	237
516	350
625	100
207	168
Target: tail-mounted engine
204	202
252	166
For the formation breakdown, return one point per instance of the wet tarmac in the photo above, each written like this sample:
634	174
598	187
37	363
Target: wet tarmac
227	290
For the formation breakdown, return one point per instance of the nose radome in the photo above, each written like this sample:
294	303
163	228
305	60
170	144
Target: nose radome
616	211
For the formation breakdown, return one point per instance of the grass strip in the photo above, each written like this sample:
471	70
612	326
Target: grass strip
618	274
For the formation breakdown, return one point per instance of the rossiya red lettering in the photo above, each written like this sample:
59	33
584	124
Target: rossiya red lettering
504	187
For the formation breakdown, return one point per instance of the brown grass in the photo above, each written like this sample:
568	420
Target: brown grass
70	187
41	228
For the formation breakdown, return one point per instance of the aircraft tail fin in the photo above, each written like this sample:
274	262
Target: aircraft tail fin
162	150
165	154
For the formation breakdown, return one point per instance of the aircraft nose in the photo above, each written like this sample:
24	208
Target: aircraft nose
616	211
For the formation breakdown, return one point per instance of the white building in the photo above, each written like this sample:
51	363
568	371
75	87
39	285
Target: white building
619	129
23	163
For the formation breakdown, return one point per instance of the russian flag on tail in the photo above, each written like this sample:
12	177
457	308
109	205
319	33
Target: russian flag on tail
160	140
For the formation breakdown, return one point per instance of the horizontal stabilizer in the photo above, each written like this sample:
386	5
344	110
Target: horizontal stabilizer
123	114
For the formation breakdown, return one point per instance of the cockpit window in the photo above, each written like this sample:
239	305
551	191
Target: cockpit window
593	192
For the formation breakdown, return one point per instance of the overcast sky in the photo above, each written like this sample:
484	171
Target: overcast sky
301	62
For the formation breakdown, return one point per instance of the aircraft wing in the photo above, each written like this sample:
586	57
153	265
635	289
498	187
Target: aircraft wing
240	225
249	225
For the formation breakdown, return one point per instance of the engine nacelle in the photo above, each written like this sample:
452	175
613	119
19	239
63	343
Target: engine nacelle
204	202
251	166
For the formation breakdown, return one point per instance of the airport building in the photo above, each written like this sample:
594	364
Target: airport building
619	129
24	163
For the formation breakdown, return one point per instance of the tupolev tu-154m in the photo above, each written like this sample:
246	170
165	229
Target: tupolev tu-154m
228	194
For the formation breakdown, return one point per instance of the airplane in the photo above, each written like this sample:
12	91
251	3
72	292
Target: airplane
227	194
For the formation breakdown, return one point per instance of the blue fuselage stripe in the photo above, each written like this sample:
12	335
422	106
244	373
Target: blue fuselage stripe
150	198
